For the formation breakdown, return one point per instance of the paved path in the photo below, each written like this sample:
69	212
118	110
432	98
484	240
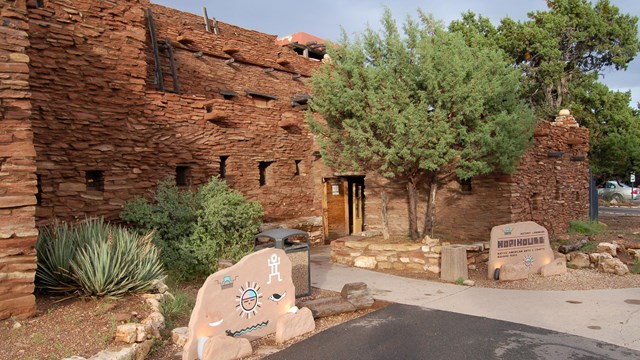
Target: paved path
611	316
412	332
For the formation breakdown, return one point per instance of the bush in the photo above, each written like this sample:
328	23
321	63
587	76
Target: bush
226	226
172	214
636	267
95	258
195	230
585	227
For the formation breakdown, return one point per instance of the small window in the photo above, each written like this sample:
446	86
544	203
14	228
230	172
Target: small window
183	174
297	171
39	187
263	166
223	166
465	185
228	95
262	100
39	3
94	180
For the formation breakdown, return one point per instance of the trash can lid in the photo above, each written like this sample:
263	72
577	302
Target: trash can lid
276	234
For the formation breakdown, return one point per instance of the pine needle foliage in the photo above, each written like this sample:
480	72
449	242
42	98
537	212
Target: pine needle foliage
416	105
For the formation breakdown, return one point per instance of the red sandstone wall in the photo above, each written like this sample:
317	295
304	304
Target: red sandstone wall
96	108
551	186
17	166
549	190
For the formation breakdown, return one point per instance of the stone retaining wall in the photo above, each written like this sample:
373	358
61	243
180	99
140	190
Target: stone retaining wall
407	256
18	233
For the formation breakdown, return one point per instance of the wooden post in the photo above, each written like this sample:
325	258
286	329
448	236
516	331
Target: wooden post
454	263
156	53
207	26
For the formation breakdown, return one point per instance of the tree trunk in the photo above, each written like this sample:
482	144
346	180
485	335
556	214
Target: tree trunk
385	216
430	215
412	192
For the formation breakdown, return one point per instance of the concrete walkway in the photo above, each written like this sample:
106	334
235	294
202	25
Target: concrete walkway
611	316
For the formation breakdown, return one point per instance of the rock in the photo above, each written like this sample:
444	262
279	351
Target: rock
609	248
432	268
154	304
427	240
127	333
366	262
613	266
159	286
579	260
357	294
291	325
509	272
556	267
596	258
131	333
226	348
179	336
469	283
224	264
472	267
16	325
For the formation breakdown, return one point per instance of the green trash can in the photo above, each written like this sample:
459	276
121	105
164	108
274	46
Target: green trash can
295	244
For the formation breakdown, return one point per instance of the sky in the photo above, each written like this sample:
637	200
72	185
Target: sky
326	18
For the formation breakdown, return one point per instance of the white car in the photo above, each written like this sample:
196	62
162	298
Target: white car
615	190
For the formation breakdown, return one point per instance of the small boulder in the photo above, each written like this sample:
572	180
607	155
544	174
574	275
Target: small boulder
226	348
579	260
469	283
366	262
358	294
596	258
509	272
609	248
556	267
427	240
613	266
179	336
127	333
291	325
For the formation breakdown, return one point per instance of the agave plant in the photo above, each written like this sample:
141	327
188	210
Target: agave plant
98	259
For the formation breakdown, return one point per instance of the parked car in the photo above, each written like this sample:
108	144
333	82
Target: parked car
615	190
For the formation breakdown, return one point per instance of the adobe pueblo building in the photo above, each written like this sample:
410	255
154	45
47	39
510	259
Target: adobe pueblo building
100	100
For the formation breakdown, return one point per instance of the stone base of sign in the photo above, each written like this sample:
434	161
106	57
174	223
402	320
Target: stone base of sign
454	263
226	348
510	272
291	325
556	267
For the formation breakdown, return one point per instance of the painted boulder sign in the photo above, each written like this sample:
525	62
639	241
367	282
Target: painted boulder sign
244	300
525	243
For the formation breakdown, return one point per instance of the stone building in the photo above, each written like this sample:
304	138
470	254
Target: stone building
100	100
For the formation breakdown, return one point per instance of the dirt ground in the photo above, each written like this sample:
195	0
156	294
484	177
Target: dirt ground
84	327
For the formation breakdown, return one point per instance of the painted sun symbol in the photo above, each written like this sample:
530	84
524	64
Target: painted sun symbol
528	260
249	300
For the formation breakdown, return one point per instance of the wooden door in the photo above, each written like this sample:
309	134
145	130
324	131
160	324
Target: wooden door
335	208
356	207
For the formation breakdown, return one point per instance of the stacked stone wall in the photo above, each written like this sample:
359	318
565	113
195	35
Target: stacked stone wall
18	233
550	187
97	110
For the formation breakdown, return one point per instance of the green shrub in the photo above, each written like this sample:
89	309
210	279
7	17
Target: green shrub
585	227
95	258
172	214
226	225
636	267
195	230
177	310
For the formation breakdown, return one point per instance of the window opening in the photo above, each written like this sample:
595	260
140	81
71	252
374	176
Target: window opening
263	166
39	188
39	3
228	95
183	174
297	172
465	185
260	99
94	180
223	166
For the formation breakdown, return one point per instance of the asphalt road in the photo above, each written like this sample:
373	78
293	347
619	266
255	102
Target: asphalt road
622	211
411	332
